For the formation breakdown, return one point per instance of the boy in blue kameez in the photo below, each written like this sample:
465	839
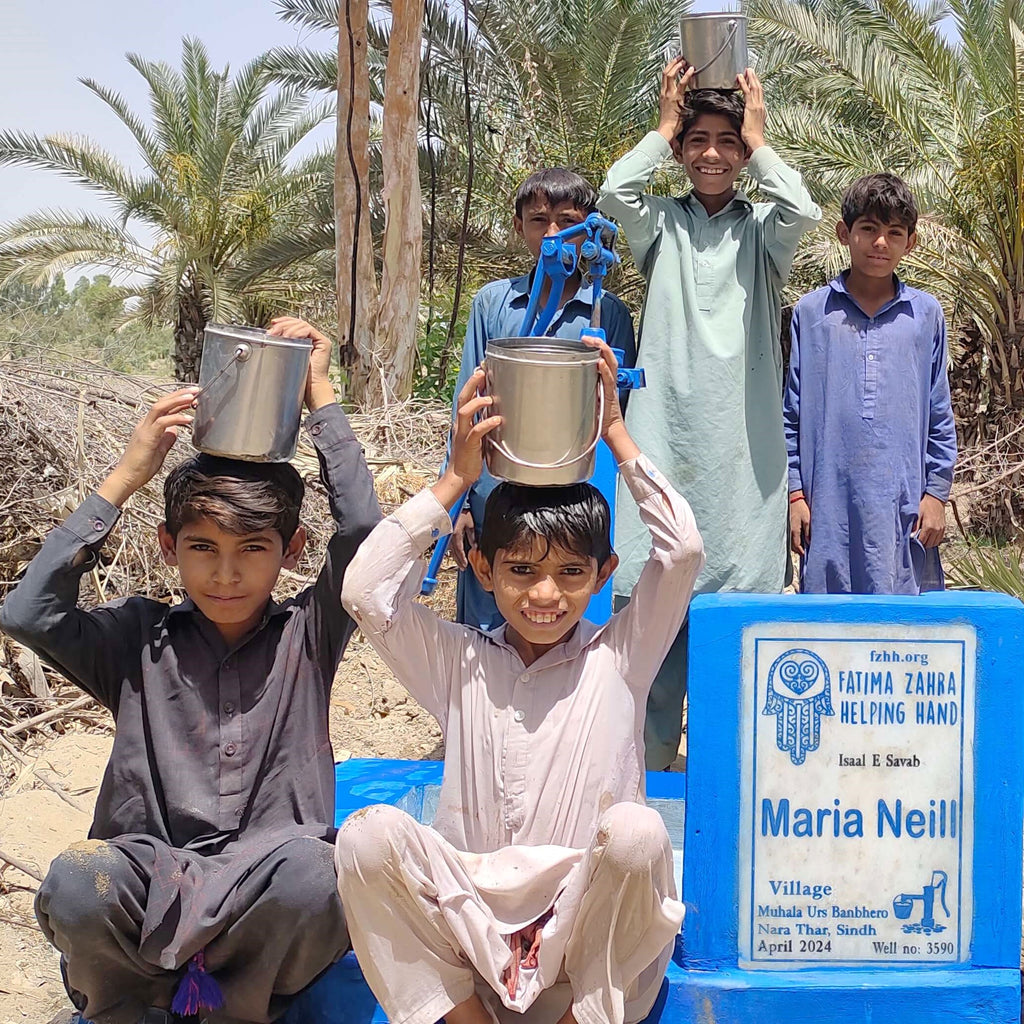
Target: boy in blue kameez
869	425
548	201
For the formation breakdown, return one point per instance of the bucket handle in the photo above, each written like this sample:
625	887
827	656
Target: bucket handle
733	26
242	353
562	463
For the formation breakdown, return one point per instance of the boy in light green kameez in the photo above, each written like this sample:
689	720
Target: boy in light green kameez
711	415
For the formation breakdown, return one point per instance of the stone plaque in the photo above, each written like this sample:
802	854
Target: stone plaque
856	820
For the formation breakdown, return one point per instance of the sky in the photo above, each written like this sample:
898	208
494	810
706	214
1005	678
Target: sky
47	45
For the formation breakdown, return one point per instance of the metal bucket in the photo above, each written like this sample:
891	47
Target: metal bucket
548	392
252	386
716	44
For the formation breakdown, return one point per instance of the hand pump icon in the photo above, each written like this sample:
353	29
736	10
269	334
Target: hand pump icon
903	906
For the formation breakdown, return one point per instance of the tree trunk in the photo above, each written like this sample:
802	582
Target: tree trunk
356	279
987	386
188	335
398	327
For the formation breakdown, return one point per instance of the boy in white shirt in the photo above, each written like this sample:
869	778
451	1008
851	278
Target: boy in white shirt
544	881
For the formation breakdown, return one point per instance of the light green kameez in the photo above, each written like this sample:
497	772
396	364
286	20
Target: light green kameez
711	414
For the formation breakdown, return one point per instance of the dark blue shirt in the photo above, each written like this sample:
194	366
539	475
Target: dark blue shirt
498	311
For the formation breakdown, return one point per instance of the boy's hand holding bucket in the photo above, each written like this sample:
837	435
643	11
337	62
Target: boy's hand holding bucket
319	389
467	457
150	442
613	428
672	98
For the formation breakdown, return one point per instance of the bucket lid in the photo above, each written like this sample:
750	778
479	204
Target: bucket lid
714	15
251	335
562	347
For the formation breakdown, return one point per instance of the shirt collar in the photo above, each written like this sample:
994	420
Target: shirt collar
584	634
739	200
838	285
189	606
520	292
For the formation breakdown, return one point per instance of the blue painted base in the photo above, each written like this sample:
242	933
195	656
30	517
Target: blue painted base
734	996
341	996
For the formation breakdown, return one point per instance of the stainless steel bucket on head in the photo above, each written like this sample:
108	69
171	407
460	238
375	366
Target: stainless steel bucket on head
716	44
548	392
252	386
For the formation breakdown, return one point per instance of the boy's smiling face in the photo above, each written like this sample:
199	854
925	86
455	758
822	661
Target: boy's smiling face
713	154
541	590
229	576
875	247
542	218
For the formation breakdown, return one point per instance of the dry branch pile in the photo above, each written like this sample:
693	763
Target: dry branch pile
62	428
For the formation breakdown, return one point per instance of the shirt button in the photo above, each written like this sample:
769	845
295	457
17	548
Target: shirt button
519	715
229	708
525	677
872	356
239	811
315	429
98	524
230	749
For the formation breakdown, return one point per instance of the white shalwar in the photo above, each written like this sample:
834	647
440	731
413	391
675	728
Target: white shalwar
540	816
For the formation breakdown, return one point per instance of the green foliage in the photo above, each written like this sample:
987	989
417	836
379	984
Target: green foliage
218	183
437	362
49	320
989	567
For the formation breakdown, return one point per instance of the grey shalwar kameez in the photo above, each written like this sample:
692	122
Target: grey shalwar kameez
210	823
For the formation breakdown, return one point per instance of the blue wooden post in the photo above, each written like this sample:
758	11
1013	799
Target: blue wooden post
605	478
854	807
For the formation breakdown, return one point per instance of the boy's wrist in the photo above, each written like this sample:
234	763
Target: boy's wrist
450	486
116	489
321	393
668	131
622	446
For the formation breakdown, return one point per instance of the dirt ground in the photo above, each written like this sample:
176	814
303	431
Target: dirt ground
371	716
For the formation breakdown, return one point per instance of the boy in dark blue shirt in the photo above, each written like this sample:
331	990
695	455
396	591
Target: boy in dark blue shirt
547	202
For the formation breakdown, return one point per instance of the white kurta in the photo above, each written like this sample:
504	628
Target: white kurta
536	757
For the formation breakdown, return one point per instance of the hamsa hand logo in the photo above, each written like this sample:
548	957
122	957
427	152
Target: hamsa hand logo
799	693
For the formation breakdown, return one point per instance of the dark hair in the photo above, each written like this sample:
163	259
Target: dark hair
240	497
727	103
575	518
558	185
884	196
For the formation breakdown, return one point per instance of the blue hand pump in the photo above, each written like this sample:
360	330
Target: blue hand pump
559	260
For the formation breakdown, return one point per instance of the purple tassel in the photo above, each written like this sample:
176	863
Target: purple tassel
198	990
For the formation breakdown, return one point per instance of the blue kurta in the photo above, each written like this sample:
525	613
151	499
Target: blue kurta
869	431
497	312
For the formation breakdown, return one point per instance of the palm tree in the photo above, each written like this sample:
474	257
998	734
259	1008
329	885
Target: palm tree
870	85
216	188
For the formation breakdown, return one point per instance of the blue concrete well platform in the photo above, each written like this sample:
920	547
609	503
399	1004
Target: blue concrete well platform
341	996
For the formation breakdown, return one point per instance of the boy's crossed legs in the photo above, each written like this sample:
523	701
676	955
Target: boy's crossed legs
279	925
426	934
